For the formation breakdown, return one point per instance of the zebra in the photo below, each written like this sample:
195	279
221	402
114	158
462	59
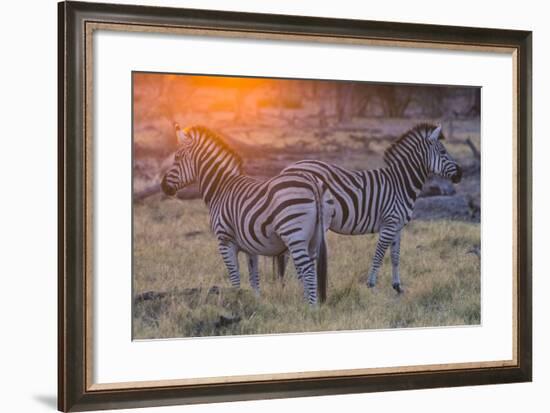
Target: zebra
285	213
382	200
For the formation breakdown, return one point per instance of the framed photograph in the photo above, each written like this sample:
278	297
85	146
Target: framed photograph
263	206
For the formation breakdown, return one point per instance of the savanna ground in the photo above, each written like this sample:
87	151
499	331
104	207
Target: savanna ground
176	254
180	285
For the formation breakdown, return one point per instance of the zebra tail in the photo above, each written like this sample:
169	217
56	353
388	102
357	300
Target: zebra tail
322	252
322	269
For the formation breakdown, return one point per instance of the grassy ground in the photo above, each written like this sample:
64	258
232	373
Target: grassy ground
176	258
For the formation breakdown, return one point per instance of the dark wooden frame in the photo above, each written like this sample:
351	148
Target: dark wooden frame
74	395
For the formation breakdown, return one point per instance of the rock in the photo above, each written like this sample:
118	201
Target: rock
437	186
186	293
475	207
192	234
442	207
148	296
226	321
215	290
476	250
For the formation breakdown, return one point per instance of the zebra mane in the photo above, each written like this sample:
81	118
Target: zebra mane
218	139
420	129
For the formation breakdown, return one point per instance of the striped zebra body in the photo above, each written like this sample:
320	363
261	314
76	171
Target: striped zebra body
284	213
382	200
361	197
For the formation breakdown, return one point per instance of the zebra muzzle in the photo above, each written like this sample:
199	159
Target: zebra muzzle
166	188
457	176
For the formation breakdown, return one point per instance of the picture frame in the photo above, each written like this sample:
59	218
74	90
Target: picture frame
77	23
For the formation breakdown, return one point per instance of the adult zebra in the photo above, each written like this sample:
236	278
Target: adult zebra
382	200
286	212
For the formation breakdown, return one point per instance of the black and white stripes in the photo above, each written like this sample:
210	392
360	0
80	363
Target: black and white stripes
290	212
286	213
382	200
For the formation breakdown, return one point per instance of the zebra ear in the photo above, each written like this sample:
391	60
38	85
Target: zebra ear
434	136
181	136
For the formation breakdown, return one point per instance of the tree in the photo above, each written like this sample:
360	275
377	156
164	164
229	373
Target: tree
393	99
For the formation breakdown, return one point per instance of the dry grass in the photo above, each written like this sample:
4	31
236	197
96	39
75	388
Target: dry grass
175	253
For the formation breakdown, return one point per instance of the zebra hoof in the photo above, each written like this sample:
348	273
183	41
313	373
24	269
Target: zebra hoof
371	284
397	287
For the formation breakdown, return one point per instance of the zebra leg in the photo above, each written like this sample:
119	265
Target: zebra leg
305	267
253	273
279	266
282	260
395	247
387	235
306	270
229	255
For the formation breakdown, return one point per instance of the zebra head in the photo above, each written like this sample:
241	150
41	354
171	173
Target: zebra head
439	161
182	172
